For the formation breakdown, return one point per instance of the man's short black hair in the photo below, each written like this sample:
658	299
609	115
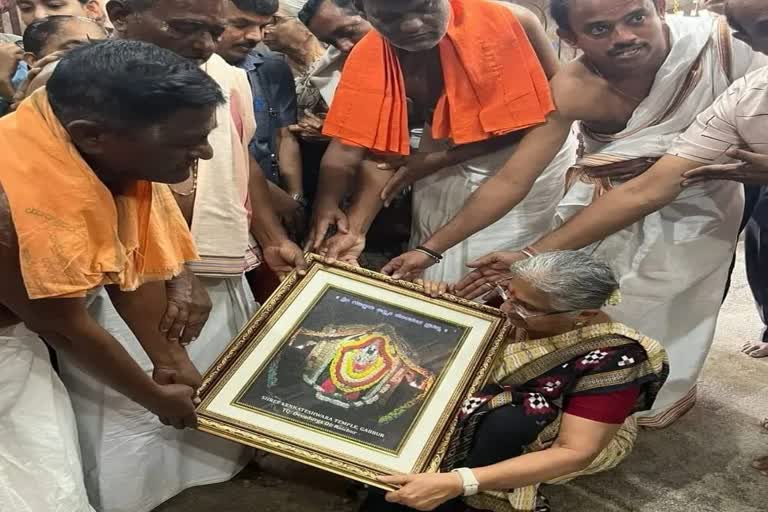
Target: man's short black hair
125	84
312	6
559	11
258	7
38	32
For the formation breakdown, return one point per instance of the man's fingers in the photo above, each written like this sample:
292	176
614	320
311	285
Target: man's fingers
171	312
179	323
469	280
190	421
300	263
342	223
746	156
488	259
712	170
193	329
317	235
392	188
391	266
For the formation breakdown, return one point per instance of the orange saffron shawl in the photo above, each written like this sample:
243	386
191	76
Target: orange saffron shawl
73	234
494	84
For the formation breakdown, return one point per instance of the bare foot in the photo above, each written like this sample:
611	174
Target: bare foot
761	464
759	349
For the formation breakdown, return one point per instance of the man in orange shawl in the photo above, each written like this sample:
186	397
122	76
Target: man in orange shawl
475	75
78	211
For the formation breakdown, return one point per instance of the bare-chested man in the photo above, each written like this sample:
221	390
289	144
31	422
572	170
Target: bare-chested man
134	465
641	82
73	218
449	165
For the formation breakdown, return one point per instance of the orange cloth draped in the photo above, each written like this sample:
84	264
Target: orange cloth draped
73	234
494	84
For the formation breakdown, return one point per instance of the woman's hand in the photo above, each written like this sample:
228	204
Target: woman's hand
489	269
425	491
408	265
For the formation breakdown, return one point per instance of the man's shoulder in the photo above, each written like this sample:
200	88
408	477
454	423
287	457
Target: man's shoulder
574	89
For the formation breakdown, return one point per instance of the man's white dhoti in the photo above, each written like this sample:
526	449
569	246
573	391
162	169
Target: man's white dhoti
133	462
439	197
673	264
40	468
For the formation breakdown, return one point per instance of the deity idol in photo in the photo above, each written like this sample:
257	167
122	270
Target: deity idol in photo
359	366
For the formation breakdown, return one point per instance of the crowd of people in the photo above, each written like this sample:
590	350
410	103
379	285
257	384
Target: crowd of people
164	163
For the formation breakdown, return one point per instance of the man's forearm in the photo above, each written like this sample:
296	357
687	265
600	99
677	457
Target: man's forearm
367	202
504	191
460	154
621	207
265	225
485	206
337	173
289	157
142	310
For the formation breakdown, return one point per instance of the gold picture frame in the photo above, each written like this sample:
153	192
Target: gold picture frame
351	371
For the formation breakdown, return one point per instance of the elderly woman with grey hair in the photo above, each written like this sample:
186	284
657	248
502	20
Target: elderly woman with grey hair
559	402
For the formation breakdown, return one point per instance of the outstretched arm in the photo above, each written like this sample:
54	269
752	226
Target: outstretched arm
495	198
337	174
622	206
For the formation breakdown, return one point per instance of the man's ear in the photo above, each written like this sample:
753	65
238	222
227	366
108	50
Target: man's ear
661	7
118	13
29	58
567	36
94	10
88	136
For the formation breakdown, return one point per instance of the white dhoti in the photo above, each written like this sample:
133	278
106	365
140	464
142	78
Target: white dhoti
673	264
131	461
40	469
672	268
439	197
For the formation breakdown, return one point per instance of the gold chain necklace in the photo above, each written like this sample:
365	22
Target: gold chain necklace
194	183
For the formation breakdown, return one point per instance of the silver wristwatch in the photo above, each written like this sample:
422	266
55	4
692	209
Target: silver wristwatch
471	485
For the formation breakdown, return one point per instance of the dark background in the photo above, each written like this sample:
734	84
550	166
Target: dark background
431	350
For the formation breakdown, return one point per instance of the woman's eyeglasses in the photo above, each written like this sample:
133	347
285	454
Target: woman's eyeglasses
518	309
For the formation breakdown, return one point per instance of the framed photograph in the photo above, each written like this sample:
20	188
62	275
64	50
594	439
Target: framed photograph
353	372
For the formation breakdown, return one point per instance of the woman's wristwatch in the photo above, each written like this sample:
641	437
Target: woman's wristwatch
471	485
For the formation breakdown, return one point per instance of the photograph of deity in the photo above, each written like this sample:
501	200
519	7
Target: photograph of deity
366	380
352	372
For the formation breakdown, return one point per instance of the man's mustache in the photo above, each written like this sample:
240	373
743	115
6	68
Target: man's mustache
618	49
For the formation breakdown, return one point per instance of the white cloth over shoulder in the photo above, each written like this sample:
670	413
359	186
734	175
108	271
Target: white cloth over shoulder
40	468
674	263
132	462
439	197
220	222
326	73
